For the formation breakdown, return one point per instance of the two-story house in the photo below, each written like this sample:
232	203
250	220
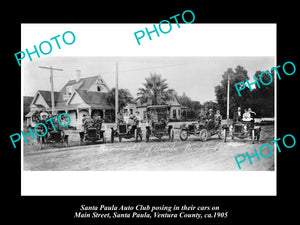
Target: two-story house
77	97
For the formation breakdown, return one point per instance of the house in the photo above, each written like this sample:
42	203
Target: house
77	97
176	109
26	104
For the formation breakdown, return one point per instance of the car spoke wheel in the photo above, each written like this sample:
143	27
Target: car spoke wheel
183	135
203	134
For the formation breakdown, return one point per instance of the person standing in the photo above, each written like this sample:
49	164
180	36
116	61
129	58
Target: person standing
252	115
202	115
218	118
237	116
246	115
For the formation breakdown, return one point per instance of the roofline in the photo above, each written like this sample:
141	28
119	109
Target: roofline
35	96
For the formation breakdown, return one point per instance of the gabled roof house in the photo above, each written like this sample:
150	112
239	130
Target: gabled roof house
77	97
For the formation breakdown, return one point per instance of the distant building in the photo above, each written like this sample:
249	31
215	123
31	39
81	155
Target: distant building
177	111
77	97
26	104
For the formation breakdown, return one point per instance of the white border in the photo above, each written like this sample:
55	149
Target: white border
118	40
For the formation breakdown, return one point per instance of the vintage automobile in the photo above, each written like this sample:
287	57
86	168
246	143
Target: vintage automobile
56	135
201	130
92	131
127	130
157	125
242	129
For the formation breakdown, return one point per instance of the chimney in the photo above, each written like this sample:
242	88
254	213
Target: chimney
78	73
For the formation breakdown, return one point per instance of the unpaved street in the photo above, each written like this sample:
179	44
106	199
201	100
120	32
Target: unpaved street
212	155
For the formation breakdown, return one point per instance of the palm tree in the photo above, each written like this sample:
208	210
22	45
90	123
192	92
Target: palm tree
155	91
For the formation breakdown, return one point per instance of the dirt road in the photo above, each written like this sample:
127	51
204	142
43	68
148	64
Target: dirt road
212	155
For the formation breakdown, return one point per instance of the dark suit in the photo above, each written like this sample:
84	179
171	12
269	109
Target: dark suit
237	116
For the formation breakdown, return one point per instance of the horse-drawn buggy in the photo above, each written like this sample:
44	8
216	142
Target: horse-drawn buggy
158	122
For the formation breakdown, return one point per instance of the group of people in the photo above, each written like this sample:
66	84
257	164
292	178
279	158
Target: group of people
209	118
212	119
247	116
131	120
96	121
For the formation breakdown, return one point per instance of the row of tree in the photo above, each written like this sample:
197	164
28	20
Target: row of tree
155	91
260	100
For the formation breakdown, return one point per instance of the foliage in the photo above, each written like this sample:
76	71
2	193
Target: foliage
193	107
124	97
155	91
261	100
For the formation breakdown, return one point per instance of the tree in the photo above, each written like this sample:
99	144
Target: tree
239	74
260	99
193	107
210	105
124	97
155	91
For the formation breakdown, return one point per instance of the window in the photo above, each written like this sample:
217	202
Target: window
98	88
174	113
69	90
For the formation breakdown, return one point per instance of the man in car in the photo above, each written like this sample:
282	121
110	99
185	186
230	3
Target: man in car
211	119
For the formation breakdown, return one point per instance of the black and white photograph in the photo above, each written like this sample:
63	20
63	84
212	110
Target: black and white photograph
170	113
162	115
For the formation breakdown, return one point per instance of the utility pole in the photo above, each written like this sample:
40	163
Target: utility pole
116	94
228	87
51	81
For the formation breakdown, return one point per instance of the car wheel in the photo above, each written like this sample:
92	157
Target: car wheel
203	134
183	135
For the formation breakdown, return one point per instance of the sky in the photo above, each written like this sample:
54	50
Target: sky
195	76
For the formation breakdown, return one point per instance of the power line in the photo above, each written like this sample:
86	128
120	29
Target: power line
144	68
147	68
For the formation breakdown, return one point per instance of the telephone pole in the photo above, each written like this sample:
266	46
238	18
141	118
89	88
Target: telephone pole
116	94
228	87
51	81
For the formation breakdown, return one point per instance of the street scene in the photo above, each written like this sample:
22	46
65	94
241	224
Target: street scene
147	121
212	155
